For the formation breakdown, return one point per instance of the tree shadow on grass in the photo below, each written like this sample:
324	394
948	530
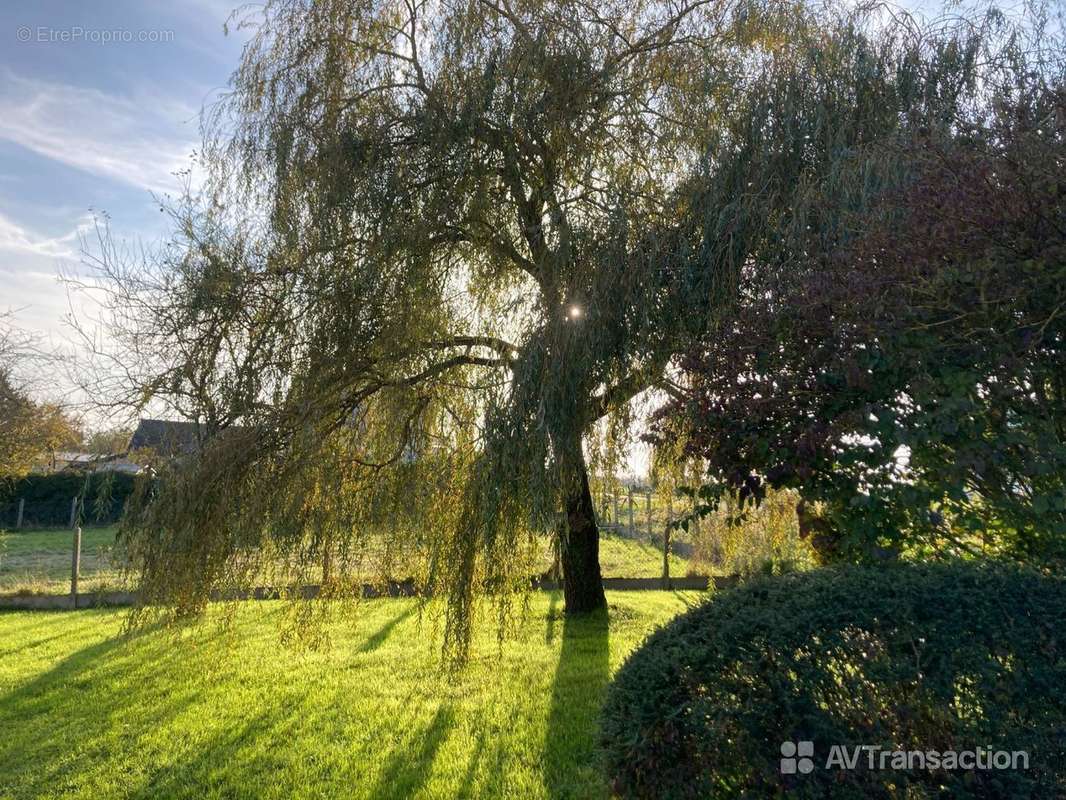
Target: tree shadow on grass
150	716
570	761
28	647
282	751
67	717
376	639
410	763
239	761
137	715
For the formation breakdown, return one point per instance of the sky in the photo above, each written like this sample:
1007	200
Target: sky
99	107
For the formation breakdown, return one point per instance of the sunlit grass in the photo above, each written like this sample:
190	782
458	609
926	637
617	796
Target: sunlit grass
87	713
632	558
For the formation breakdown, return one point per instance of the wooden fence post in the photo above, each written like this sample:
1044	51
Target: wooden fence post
616	515
73	511
632	518
666	541
22	506
666	556
75	566
647	510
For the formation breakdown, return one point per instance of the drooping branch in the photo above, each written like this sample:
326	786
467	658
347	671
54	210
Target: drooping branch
372	387
502	347
627	388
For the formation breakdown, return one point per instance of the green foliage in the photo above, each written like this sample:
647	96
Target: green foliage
102	495
737	539
915	657
29	430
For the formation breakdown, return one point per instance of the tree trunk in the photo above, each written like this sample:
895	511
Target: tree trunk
582	581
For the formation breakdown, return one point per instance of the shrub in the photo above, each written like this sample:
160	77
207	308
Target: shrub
748	540
908	657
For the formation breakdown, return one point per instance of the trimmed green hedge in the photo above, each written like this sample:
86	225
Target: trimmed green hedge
910	657
48	498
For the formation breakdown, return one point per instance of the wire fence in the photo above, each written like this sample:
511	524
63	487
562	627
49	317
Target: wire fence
37	555
637	514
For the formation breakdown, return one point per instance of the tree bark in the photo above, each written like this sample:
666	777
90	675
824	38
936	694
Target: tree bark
582	581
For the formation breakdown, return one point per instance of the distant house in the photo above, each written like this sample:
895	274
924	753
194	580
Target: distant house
166	438
163	438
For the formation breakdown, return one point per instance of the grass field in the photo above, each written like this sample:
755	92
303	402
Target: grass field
631	558
213	713
39	561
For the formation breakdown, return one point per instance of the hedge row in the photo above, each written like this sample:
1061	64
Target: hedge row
47	498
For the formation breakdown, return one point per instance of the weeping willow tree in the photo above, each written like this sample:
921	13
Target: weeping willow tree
438	244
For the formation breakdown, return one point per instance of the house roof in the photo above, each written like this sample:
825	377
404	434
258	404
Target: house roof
166	437
76	457
75	461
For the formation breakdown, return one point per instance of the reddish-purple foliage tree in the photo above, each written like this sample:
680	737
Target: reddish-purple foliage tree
902	359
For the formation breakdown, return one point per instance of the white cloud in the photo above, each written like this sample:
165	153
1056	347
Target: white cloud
29	273
16	239
137	141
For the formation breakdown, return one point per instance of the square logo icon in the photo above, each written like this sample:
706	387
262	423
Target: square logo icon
797	757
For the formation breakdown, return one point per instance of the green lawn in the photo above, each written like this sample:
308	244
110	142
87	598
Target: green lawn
630	558
213	713
39	561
